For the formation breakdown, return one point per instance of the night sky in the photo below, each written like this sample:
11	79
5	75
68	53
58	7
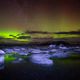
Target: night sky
41	15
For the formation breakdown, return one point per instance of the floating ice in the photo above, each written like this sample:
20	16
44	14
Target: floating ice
60	54
45	51
53	50
2	52
52	46
35	51
61	46
22	53
9	50
41	59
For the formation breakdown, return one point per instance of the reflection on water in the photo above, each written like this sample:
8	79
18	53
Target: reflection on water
1	62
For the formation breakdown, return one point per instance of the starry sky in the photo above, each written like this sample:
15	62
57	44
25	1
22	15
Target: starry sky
40	15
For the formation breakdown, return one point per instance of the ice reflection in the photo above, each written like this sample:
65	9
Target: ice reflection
1	62
18	60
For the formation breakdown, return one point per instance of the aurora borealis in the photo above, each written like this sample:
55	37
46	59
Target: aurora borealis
39	15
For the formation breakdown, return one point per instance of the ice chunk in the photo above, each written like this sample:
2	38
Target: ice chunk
9	50
61	46
35	51
1	59
41	59
53	50
60	54
2	52
52	46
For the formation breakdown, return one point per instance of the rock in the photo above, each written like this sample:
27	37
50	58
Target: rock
2	52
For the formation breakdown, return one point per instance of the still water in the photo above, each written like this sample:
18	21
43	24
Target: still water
31	71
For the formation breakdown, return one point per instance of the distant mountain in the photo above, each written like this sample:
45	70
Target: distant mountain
71	32
38	32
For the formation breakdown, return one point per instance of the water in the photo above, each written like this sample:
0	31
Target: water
19	67
30	71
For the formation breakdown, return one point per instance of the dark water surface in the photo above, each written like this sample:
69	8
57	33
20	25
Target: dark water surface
30	71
